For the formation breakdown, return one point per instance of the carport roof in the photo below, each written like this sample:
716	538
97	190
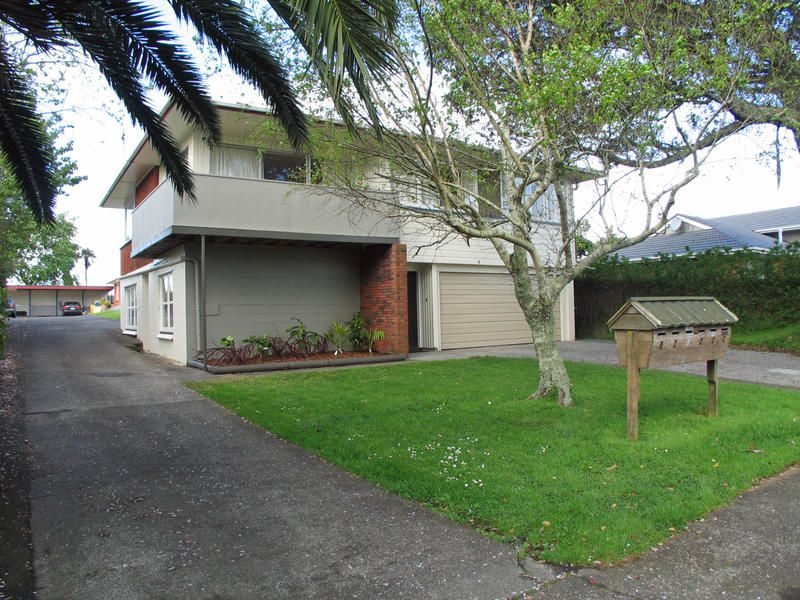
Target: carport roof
61	288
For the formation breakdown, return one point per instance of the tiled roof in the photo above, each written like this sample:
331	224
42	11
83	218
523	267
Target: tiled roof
765	219
697	241
734	232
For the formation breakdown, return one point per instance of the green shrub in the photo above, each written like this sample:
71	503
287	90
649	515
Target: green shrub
763	289
261	343
306	340
374	336
338	334
358	332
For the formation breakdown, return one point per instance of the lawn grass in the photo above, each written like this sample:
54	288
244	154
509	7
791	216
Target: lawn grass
107	314
564	485
781	339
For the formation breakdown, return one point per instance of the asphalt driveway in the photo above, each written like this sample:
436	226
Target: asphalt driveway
141	488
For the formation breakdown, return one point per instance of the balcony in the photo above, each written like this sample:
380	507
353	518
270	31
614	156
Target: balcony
254	209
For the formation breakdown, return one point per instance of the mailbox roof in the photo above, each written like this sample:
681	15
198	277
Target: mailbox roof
676	311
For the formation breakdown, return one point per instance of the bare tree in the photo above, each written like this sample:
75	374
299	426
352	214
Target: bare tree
502	108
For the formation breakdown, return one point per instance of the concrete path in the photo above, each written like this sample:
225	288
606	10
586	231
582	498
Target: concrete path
747	551
143	489
769	368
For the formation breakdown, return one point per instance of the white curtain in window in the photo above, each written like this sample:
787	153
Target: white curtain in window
235	162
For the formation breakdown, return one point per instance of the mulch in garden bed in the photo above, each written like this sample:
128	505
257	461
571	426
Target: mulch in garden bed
262	360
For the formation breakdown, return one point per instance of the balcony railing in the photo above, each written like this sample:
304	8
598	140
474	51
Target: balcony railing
256	208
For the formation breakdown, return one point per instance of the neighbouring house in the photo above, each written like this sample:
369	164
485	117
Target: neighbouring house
263	245
48	300
683	234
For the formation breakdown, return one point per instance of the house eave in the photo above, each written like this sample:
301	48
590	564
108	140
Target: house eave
177	235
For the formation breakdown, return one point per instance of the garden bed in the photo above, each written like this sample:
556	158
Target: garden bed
313	361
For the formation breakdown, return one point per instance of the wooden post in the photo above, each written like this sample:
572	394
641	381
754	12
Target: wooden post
713	390
632	346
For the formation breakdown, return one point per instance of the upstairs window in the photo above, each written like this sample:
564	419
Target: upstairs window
546	207
233	161
249	163
489	188
284	167
131	309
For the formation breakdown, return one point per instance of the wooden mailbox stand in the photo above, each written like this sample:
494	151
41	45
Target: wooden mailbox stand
667	331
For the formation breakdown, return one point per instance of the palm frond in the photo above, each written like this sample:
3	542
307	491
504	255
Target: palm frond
156	52
345	39
33	21
24	142
108	47
130	42
230	30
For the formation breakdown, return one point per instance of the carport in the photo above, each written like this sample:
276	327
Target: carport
47	300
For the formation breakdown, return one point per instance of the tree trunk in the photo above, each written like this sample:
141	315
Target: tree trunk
537	306
553	376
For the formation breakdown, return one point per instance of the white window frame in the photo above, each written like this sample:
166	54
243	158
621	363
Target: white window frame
545	210
166	304
131	308
261	153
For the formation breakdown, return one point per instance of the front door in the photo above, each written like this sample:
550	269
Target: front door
413	313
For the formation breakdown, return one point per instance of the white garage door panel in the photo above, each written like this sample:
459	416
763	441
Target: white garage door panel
480	309
483	312
479	318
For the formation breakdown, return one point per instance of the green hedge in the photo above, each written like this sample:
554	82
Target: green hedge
762	289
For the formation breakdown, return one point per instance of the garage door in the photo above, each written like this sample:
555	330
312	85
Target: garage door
480	309
43	303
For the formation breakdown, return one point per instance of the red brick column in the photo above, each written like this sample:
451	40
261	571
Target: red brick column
128	264
384	295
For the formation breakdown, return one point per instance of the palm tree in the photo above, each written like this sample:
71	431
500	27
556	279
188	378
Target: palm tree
87	255
132	45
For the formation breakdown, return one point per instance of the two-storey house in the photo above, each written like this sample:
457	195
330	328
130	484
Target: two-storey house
264	244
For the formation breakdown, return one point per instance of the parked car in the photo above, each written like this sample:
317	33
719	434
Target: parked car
11	308
72	308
